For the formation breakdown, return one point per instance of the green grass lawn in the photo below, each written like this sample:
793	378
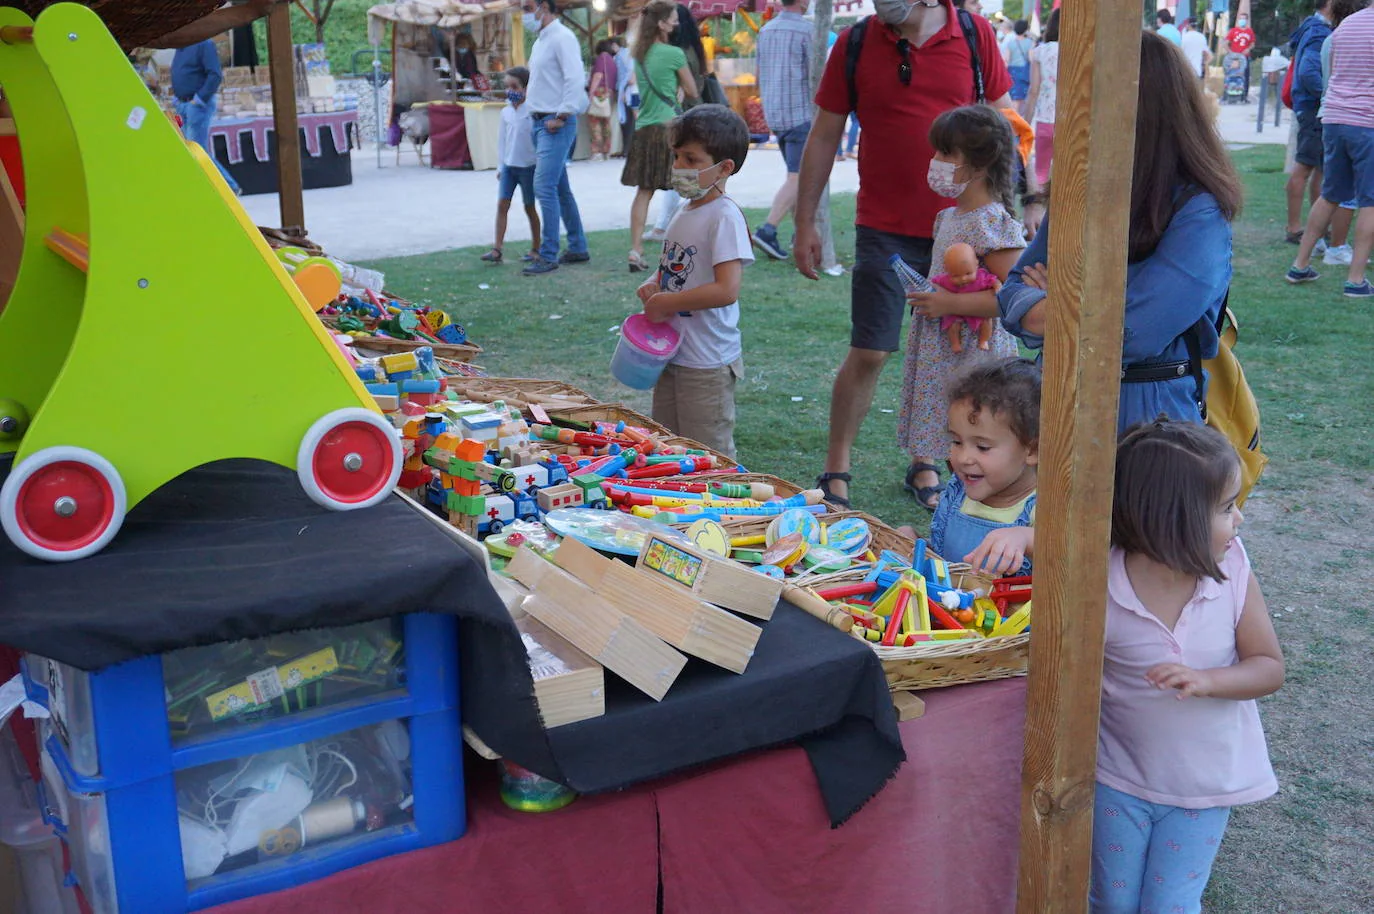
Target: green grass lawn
1309	524
1300	346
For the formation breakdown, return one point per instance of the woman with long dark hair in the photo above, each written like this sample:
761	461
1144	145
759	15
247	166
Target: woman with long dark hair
1184	195
601	99
661	69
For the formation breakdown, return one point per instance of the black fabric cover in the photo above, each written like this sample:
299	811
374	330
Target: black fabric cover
235	550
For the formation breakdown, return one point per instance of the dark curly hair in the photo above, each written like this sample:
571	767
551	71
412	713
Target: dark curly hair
1004	387
985	140
719	130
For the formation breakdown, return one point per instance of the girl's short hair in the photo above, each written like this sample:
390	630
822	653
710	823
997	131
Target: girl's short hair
1170	477
1004	387
984	138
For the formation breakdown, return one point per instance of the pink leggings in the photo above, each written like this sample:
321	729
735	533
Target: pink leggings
1044	152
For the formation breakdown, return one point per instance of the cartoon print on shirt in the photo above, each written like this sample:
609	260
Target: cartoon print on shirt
677	264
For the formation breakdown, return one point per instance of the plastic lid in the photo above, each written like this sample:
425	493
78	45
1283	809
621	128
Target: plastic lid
659	340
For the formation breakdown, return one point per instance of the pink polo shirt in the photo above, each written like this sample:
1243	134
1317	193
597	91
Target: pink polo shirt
1197	753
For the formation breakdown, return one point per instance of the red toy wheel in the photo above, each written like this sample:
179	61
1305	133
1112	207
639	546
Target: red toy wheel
349	459
62	503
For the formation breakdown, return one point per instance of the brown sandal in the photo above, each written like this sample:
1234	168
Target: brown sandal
492	256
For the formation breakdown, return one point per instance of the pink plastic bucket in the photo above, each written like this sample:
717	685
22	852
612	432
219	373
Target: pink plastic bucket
644	348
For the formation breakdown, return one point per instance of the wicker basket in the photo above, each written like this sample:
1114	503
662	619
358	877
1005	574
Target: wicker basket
458	352
523	392
611	412
935	664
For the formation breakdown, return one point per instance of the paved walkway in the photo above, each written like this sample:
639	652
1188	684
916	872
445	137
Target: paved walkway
411	209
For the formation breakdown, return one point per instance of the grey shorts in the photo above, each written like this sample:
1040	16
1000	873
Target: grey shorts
1310	150
877	303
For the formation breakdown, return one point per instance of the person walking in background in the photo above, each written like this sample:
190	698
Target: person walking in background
688	37
1040	102
601	99
913	63
1349	162
1307	96
784	54
1338	250
515	152
626	94
1164	25
196	76
1195	49
557	95
662	72
1016	52
1241	40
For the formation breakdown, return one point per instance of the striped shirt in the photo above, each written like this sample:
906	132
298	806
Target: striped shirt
1349	97
784	52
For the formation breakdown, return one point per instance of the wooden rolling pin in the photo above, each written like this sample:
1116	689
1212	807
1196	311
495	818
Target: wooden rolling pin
805	599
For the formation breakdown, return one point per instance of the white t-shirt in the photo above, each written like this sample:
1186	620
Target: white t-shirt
1194	49
1047	55
515	142
697	240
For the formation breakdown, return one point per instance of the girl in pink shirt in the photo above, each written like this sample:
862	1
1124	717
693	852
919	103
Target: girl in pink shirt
1189	648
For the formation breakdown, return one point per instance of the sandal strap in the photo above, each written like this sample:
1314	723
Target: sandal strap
839	477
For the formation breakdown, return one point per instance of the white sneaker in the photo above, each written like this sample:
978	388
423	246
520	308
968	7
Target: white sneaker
1319	248
1339	256
653	234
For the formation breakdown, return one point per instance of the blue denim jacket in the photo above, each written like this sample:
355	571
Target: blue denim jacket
1186	277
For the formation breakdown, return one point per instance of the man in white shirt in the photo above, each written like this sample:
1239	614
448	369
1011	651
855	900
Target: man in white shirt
1195	49
557	95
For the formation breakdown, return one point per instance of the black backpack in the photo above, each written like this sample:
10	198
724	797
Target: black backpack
855	45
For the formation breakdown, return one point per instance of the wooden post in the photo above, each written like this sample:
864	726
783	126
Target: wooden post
281	64
1093	155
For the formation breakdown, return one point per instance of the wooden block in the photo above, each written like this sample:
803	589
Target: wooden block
714	579
573	610
672	613
908	706
568	685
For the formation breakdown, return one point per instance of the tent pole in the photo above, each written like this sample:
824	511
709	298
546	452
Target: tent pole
281	64
1094	148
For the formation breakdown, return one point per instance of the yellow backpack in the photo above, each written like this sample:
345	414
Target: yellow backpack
1230	405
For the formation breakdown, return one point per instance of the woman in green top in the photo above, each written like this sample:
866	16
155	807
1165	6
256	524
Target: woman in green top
661	70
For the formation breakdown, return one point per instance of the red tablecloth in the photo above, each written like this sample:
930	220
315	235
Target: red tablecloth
448	137
745	836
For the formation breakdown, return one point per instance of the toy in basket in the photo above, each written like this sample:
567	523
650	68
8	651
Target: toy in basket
107	344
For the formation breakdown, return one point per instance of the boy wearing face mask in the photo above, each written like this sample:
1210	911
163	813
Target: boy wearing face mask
1241	40
697	282
515	152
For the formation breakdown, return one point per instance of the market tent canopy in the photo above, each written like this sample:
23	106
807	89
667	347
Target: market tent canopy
137	23
444	14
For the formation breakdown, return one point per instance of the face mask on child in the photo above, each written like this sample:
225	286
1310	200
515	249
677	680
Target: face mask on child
515	96
687	182
940	177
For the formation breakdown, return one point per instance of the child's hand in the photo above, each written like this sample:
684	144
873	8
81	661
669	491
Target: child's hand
647	291
939	303
1037	277
1003	551
659	307
1189	682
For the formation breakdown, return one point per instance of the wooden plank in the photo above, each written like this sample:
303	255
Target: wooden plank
675	615
711	578
281	65
1093	155
909	707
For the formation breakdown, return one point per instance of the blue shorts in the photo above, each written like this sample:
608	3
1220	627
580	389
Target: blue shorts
1348	164
791	143
512	176
1020	81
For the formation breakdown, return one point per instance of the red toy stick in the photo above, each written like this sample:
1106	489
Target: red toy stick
894	624
942	616
841	591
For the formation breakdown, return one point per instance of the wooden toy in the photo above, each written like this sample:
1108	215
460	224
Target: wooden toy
619	643
679	617
711	578
566	495
106	270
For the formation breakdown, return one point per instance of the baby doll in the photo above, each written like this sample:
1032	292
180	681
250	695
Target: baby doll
963	274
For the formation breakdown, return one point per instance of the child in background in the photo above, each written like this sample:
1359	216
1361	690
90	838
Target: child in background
973	164
697	283
1189	648
986	516
515	153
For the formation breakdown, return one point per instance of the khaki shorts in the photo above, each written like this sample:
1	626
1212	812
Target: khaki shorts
699	403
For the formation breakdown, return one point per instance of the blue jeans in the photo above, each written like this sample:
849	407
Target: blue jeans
553	190
1151	859
195	125
511	177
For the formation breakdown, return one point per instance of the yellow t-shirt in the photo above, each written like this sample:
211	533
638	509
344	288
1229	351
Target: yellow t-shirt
1007	515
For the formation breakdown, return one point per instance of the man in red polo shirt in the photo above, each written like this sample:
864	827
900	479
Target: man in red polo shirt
914	65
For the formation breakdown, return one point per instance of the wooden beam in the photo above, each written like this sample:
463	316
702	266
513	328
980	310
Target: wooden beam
1093	155
281	64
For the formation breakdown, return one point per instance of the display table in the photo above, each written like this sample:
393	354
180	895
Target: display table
749	835
248	148
464	134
